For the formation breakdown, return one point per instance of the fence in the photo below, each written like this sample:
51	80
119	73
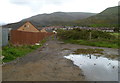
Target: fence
27	38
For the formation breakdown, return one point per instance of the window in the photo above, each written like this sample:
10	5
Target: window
27	26
24	25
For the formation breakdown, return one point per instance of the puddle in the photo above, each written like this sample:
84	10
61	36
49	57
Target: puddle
96	68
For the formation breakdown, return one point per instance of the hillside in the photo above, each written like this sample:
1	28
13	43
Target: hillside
107	18
56	18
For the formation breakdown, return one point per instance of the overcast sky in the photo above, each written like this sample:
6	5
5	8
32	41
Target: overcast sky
16	10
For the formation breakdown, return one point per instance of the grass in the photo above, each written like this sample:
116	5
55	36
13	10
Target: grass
98	43
83	37
12	52
115	34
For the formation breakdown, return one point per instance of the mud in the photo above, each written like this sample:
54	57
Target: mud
47	64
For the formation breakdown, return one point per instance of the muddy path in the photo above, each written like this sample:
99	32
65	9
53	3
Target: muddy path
47	64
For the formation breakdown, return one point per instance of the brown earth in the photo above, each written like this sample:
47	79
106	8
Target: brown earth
47	64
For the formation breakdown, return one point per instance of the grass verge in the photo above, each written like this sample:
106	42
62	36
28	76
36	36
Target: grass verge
108	44
11	52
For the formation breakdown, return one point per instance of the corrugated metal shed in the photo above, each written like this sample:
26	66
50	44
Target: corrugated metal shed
4	36
0	36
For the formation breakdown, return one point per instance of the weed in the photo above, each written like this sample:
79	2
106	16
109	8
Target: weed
12	52
88	51
65	49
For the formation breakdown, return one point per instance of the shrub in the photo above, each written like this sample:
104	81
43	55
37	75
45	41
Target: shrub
84	34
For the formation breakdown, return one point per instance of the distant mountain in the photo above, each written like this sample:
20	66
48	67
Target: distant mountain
59	16
107	18
1	23
56	18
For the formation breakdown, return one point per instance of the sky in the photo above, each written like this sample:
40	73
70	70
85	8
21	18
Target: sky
16	10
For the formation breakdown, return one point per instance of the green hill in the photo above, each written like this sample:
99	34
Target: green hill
107	18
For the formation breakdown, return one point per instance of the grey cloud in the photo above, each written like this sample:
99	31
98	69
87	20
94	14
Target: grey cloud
19	2
56	2
23	2
36	5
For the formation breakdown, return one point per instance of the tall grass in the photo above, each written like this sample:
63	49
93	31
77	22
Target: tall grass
82	37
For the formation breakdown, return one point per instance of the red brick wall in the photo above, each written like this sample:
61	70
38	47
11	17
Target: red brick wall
27	38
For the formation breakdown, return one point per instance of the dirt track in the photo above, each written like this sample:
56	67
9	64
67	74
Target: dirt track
46	64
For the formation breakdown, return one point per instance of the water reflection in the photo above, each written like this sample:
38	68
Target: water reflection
96	68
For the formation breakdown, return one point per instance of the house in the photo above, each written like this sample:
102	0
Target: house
51	28
28	27
24	34
42	30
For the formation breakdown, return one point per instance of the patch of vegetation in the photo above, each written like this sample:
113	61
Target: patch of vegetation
65	49
112	56
115	34
12	52
107	18
0	52
84	34
98	43
89	37
88	51
96	52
